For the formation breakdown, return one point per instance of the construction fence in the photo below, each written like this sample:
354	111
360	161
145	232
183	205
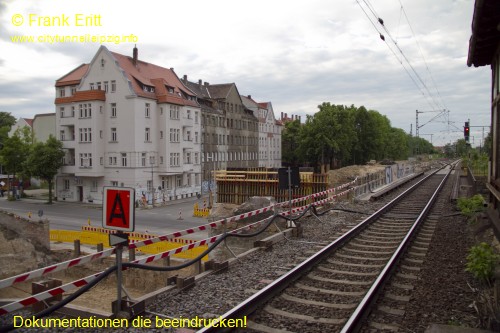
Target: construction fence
94	235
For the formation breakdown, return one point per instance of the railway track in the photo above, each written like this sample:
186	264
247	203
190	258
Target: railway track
335	289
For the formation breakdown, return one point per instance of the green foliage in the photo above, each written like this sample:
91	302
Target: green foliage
45	160
290	142
6	122
481	262
339	135
470	206
15	152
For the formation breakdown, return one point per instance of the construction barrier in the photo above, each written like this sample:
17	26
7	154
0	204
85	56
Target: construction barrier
200	212
193	245
94	236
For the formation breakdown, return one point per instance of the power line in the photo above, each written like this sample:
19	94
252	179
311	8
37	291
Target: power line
415	77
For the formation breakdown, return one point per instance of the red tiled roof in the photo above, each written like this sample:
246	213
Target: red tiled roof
29	121
153	75
73	77
82	96
139	74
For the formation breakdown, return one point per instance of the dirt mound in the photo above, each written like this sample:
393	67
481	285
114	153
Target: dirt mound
343	175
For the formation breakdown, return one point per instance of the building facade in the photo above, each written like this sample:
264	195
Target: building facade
44	125
229	129
484	50
125	122
269	132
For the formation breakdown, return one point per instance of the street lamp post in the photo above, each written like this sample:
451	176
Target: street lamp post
152	162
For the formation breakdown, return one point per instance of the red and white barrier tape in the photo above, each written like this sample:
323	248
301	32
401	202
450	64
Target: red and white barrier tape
169	237
79	283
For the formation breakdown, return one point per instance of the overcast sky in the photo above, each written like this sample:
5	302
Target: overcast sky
296	54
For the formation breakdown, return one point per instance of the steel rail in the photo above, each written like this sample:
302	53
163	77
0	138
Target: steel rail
355	322
255	301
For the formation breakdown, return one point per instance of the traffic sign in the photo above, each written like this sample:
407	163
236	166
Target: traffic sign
118	209
118	239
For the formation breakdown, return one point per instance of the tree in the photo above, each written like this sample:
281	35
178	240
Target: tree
487	144
290	142
6	123
15	151
45	160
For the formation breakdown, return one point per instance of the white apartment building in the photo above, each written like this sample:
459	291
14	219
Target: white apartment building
126	122
269	132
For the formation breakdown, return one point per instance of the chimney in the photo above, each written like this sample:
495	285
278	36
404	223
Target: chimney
286	115
185	78
135	55
199	83
281	115
249	96
207	84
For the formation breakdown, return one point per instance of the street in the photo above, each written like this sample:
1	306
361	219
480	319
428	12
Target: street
71	216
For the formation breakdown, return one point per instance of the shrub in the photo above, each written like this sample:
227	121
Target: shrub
470	206
481	262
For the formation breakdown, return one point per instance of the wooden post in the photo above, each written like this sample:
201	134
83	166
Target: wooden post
131	255
77	251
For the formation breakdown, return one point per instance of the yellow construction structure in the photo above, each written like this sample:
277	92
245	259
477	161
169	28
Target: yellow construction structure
236	187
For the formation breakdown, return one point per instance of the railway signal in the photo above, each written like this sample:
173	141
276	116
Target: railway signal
466	132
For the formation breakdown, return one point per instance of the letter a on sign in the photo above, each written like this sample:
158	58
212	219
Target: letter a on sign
118	211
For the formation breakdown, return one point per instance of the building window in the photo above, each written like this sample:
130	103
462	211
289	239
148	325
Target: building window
114	137
196	158
196	137
101	160
174	111
147	110
175	159
178	179
113	110
175	135
147	135
85	134
196	117
188	135
73	90
66	185
85	110
161	159
62	135
124	159
85	160
161	134
112	160
106	86
98	84
93	187
113	86
92	86
114	183
143	159
161	111
61	112
188	114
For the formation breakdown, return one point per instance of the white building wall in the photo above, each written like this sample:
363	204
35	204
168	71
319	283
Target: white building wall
130	121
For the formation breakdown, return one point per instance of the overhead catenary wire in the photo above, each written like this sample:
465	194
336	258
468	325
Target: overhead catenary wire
393	52
412	72
422	54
